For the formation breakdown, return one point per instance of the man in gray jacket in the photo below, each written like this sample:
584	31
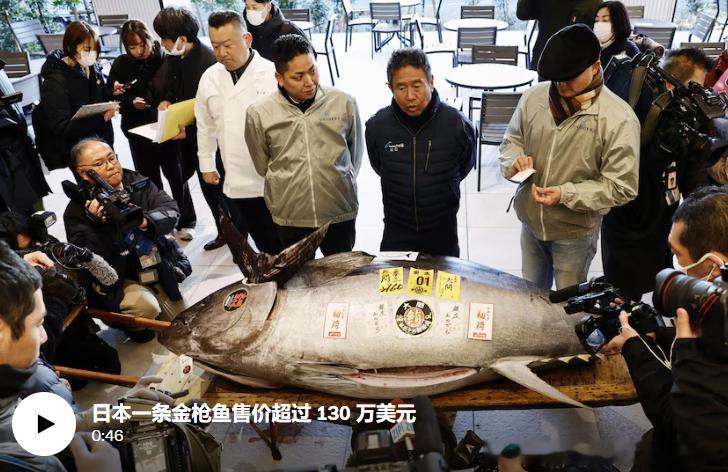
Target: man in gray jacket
306	142
583	143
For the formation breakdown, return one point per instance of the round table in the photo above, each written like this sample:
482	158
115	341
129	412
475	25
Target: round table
105	30
404	3
648	23
454	25
304	25
490	76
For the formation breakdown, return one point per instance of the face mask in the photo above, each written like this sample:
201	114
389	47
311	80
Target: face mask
256	17
603	31
686	268
177	48
87	58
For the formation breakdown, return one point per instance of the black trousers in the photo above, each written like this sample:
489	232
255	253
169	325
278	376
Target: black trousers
149	158
251	216
339	238
440	241
191	164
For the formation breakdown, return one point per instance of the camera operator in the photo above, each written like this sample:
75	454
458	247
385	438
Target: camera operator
21	336
142	256
687	401
634	236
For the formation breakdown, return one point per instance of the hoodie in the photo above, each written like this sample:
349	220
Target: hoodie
65	89
264	35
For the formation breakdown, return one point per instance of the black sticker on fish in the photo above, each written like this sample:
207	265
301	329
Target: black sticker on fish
235	300
413	317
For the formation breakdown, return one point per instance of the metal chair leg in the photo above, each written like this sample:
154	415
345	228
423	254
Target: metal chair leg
331	71
347	32
333	53
479	162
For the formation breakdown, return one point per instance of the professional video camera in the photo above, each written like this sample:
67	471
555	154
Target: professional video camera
116	203
601	299
680	121
706	303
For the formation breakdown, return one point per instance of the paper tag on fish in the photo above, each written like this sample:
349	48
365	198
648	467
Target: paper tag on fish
377	319
337	317
448	285
420	281
391	280
397	256
452	319
480	323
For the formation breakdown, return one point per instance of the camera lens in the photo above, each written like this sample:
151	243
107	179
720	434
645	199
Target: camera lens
674	290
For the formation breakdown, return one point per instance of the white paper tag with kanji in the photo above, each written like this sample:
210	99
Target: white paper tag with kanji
376	316
337	316
480	323
452	319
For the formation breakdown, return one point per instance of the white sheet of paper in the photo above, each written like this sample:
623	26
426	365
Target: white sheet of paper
148	131
93	109
397	256
523	175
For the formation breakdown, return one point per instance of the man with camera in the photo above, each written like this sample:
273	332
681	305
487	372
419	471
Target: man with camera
681	375
21	337
128	221
634	236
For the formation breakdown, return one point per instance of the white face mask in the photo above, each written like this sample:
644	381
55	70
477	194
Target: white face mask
603	31
686	268
177	48
87	58
256	17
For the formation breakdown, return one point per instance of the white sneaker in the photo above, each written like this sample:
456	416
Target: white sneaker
186	234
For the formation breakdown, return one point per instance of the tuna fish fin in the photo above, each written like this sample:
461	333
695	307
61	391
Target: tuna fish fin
262	267
238	378
517	370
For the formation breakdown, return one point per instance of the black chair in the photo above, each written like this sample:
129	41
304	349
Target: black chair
477	11
17	64
387	19
298	14
428	49
722	6
495	114
434	21
328	49
495	55
469	37
664	36
703	28
352	21
712	50
531	28
635	11
25	32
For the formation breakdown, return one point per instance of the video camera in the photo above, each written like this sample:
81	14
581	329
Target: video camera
680	121
706	304
116	203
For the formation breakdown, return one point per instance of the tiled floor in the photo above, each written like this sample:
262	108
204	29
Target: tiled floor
488	235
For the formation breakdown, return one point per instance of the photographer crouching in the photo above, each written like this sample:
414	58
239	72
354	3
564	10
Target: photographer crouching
681	376
123	217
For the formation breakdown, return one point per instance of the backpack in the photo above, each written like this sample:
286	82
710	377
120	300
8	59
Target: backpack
46	141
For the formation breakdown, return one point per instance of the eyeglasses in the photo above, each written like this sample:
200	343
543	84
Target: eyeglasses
100	164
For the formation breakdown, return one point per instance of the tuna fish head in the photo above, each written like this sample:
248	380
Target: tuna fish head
229	320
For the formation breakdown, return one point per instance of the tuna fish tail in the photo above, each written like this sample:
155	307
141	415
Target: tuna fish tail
262	267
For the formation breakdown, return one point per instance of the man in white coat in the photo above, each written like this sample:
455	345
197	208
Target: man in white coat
240	78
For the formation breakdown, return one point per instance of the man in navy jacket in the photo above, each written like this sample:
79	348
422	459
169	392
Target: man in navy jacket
422	149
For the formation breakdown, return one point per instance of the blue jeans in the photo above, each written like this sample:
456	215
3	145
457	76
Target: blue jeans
567	260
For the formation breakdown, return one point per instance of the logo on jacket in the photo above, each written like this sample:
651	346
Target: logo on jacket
391	147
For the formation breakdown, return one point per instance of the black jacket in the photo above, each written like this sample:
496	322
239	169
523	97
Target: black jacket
421	169
126	69
552	15
264	35
162	214
625	46
65	89
688	405
21	177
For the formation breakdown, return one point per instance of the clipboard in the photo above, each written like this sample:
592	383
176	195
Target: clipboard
168	121
93	109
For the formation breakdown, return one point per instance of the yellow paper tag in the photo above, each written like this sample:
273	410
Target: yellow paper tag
391	280
448	285
420	281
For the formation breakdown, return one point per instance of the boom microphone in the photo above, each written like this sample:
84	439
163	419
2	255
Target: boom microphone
101	270
73	257
558	296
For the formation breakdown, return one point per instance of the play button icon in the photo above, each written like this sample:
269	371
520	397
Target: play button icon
44	424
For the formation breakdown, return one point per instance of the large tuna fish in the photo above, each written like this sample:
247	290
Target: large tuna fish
355	325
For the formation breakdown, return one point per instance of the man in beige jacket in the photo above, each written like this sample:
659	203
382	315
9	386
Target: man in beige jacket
583	142
306	141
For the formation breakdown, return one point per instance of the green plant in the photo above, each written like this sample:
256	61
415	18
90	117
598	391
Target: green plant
319	13
19	10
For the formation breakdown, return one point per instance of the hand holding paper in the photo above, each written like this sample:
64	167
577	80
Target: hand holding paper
170	122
